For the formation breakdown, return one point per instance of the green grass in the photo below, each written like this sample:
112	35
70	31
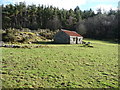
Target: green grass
61	66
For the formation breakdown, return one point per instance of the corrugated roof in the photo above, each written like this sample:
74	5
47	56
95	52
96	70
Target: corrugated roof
71	33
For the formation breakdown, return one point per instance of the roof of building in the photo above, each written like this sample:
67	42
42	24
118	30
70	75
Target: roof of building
71	33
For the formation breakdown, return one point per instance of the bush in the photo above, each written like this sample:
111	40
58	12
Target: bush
14	35
88	44
10	35
47	33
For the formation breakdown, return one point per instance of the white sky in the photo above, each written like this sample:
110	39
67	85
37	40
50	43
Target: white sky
67	4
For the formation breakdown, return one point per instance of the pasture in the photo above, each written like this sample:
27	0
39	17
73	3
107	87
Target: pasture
61	66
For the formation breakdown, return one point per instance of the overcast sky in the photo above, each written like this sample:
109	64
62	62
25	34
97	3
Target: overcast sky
71	4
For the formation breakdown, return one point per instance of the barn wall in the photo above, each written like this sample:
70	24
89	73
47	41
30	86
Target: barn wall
61	37
76	40
72	39
79	40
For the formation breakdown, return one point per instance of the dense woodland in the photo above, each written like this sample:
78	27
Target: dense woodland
88	23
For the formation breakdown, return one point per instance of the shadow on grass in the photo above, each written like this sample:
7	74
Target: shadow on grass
48	42
112	41
116	41
44	42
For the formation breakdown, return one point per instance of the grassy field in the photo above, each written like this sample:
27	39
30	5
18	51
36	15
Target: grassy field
61	66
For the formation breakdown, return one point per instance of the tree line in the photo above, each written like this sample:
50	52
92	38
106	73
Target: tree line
88	23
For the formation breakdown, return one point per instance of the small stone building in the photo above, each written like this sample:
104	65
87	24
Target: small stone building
67	37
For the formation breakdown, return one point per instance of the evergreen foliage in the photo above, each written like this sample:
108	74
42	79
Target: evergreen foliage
90	25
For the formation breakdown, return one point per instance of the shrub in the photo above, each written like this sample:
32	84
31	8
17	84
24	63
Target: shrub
14	35
88	44
10	35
